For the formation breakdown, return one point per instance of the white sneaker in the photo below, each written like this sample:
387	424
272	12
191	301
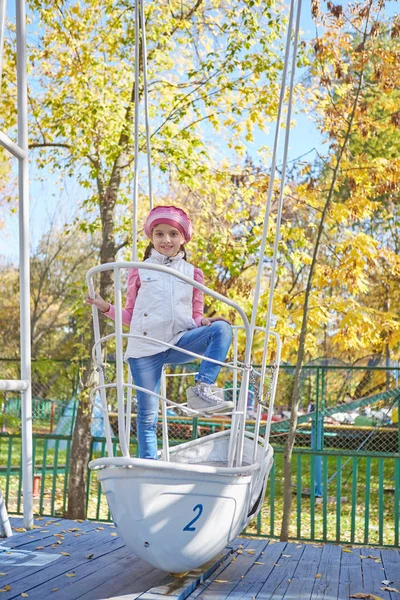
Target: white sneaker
207	398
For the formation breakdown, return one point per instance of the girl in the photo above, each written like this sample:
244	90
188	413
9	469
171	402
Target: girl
166	308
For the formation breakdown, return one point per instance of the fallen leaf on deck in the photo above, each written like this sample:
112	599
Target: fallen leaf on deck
347	550
259	563
360	595
24	595
114	534
7	588
70	574
389	589
44	531
221	581
100	528
239	551
65	553
54	589
373	597
39	547
19	529
250	551
89	556
318	576
276	565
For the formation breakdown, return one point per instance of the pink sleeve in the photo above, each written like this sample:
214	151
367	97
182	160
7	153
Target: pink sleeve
133	286
198	298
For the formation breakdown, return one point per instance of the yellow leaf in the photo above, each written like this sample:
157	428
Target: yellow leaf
70	574
373	597
221	580
318	576
250	551
65	553
19	529
7	588
24	595
390	589
259	563
347	550
114	534
54	589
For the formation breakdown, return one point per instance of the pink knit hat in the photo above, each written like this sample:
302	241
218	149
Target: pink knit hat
171	215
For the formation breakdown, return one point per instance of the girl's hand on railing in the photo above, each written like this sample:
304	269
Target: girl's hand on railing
208	320
99	303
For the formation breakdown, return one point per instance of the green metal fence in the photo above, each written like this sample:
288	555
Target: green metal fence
359	502
345	465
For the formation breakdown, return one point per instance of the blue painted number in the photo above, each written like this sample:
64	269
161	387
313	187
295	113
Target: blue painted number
189	527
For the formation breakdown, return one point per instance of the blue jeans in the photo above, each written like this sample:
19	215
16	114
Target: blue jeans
211	341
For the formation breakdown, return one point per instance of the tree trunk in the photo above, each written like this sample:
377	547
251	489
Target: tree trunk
81	439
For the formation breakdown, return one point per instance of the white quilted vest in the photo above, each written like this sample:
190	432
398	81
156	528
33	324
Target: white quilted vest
163	307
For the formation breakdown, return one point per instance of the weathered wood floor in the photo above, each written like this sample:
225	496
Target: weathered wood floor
69	560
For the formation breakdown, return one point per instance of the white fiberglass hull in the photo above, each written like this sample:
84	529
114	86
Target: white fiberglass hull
177	515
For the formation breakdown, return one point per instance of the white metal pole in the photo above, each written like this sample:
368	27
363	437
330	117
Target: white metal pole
136	136
146	100
164	417
272	173
25	318
280	202
119	361
99	362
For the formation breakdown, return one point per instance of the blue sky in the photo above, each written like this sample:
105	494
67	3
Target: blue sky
46	198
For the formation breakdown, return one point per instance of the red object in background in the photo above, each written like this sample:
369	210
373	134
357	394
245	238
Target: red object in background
36	485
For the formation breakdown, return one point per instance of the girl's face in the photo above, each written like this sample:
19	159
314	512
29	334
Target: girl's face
167	239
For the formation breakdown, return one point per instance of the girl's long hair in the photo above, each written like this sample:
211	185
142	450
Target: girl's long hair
150	247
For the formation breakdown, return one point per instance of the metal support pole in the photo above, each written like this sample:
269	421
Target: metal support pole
25	338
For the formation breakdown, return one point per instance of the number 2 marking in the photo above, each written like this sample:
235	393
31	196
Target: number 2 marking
189	527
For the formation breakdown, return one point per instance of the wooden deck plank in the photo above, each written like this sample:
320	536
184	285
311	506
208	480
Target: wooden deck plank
239	544
303	580
179	588
232	572
373	573
350	578
22	562
256	576
113	573
280	577
391	564
137	574
326	587
32	578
